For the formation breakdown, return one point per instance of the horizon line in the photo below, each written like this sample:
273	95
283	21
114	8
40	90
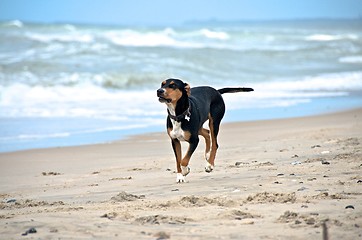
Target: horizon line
184	23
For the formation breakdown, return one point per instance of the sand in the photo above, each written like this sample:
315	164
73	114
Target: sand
295	178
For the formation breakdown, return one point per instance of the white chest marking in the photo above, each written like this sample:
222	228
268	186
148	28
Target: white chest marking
176	131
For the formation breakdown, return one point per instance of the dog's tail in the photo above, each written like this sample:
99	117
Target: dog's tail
234	90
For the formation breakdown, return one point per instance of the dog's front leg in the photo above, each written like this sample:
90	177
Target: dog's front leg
176	145
193	142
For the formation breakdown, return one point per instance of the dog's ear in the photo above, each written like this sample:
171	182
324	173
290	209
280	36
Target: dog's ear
188	89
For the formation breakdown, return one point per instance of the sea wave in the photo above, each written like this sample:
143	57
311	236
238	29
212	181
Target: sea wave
90	100
195	39
14	23
134	38
71	39
70	36
328	37
334	82
292	92
351	59
168	37
82	100
215	34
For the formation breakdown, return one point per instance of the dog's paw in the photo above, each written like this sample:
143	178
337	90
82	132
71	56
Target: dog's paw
180	178
185	170
209	167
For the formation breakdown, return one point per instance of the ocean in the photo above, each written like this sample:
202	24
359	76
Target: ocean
71	84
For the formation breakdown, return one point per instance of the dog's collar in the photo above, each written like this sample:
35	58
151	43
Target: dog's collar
185	115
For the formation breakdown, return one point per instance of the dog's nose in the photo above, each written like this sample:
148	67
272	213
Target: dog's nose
160	91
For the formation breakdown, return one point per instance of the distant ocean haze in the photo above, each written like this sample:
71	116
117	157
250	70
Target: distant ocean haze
80	84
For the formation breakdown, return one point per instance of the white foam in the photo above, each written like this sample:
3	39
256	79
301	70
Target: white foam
325	84
70	27
351	59
15	23
167	38
290	93
327	37
82	100
144	39
39	136
214	34
86	99
61	37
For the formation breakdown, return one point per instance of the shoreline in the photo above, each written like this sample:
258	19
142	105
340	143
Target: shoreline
92	136
286	176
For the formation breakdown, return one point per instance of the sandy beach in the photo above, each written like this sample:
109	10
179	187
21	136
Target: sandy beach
294	178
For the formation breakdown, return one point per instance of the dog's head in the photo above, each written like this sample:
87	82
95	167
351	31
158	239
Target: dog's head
172	90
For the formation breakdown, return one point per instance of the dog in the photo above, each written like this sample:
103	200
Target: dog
188	109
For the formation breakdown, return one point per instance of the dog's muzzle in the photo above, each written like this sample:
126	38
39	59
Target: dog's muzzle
161	96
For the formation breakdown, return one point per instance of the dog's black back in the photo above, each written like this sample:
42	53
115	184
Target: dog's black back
205	102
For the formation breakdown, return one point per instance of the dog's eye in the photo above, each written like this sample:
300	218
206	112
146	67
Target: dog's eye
172	85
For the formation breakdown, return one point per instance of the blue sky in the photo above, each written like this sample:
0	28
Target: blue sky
168	12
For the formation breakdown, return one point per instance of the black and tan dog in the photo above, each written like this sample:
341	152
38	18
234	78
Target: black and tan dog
188	109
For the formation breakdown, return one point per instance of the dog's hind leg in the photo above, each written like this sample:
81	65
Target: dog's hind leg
210	161
206	134
216	114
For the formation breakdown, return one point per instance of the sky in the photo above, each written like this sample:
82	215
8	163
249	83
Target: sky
173	12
